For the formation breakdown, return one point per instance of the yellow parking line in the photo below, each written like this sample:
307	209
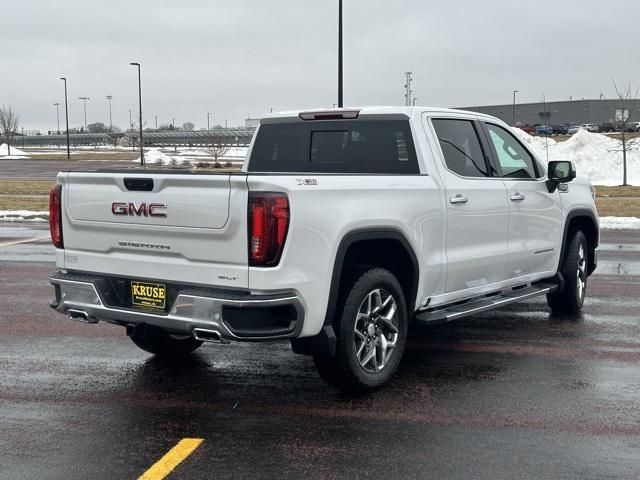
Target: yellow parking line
24	240
172	459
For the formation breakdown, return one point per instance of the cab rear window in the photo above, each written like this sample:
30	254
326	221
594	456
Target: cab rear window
359	146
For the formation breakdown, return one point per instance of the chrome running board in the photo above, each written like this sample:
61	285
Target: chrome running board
448	313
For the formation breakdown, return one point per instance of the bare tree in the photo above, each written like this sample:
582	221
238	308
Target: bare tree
217	147
8	124
623	115
188	126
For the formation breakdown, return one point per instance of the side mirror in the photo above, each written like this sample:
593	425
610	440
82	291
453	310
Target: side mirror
558	172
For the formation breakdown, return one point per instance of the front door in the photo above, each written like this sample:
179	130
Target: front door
477	209
535	225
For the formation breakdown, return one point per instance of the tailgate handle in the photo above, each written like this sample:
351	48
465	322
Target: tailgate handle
139	184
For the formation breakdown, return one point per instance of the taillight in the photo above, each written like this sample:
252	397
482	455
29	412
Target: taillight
55	216
268	226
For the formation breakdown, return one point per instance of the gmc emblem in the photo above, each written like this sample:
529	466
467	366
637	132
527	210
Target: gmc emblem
144	209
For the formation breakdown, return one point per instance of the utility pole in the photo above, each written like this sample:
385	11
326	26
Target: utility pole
208	121
58	115
340	58
84	100
156	123
136	64
407	86
109	97
513	121
66	114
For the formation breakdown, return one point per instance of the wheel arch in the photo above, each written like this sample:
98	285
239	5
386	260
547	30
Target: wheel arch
586	221
400	259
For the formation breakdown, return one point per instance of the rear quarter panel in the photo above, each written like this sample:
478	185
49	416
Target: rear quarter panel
324	211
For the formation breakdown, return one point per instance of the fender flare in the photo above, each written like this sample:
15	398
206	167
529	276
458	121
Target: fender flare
386	233
577	213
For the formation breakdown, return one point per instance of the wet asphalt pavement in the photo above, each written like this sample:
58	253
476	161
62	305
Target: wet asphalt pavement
507	394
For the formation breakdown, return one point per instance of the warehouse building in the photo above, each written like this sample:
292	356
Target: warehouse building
574	112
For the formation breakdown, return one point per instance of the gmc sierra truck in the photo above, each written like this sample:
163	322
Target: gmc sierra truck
343	228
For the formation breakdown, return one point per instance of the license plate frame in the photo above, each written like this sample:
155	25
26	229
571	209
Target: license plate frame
148	295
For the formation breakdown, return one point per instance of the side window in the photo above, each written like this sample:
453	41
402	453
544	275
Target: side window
461	147
514	161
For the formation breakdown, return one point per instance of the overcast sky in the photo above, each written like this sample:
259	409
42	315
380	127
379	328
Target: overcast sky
235	58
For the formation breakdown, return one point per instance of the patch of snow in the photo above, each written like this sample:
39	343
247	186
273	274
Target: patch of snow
16	153
620	223
155	156
23	215
596	156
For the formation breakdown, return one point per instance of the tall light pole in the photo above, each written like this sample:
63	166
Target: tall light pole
156	123
109	97
58	115
340	70
513	121
136	64
133	144
208	121
84	100
66	114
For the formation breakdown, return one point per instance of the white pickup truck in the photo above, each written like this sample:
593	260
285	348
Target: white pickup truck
343	228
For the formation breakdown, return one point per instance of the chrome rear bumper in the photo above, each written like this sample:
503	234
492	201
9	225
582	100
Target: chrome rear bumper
81	299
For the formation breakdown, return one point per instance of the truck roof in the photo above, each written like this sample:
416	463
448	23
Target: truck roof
383	111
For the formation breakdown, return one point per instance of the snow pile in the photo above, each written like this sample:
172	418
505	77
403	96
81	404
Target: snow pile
537	144
155	157
15	152
22	215
596	156
620	223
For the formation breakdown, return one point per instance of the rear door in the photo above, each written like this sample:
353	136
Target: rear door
185	227
477	210
535	225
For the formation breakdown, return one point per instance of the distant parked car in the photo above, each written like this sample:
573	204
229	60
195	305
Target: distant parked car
544	130
635	126
590	127
559	129
526	128
607	127
574	129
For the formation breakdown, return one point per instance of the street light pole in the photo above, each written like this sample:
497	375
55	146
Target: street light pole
84	100
513	122
109	97
208	121
136	64
156	123
133	144
340	70
66	113
58	115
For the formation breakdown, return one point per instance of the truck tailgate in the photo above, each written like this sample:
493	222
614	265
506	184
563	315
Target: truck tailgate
190	228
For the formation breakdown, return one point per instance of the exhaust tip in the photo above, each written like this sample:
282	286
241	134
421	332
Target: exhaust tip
205	335
80	316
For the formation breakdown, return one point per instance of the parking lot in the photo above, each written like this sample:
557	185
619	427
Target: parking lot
507	394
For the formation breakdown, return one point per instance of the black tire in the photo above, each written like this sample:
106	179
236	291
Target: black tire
160	343
346	369
574	269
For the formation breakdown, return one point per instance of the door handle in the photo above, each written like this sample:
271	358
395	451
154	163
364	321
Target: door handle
459	199
517	197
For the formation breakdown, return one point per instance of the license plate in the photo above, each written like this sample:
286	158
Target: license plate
144	294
